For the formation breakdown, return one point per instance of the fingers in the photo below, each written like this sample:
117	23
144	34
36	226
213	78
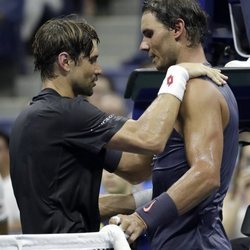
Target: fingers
130	225
216	75
116	220
199	69
132	234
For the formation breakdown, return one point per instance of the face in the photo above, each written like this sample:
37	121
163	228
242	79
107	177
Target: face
113	184
85	73
158	41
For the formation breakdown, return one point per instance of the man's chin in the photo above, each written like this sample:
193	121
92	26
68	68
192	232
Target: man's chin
161	68
78	91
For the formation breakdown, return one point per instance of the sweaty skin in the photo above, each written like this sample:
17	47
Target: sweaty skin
203	136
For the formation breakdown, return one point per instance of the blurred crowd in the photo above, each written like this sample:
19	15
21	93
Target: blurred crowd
19	20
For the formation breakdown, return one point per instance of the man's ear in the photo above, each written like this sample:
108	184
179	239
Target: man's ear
179	29
64	61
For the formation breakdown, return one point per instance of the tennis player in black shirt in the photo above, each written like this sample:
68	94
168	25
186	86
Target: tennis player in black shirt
60	143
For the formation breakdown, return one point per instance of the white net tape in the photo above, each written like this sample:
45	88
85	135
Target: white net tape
110	237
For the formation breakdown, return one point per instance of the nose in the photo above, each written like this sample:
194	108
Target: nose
98	69
144	45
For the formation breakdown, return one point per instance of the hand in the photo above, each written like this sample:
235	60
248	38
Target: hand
199	69
132	225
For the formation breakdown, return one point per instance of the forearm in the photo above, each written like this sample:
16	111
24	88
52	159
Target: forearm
149	134
157	122
112	204
192	188
177	200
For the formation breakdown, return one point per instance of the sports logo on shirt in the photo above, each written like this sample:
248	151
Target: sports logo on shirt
147	209
170	80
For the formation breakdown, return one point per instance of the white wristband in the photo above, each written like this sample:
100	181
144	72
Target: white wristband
175	82
142	197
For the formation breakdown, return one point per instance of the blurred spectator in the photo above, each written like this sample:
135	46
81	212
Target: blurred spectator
113	104
103	86
11	15
113	184
3	216
238	198
88	7
99	7
10	204
35	11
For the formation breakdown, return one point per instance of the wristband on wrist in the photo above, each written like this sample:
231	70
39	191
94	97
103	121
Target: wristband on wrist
160	210
175	82
142	197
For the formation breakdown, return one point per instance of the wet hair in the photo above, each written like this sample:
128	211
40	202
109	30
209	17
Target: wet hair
168	12
5	138
71	34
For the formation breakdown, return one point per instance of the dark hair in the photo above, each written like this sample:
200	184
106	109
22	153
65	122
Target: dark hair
5	137
168	11
71	34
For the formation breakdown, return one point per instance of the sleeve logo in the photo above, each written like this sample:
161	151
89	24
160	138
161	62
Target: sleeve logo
170	80
146	209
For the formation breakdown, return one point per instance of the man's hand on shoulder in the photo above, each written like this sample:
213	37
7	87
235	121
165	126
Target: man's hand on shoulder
199	69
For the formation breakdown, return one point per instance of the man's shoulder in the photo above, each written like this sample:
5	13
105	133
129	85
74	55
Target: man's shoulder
77	104
200	91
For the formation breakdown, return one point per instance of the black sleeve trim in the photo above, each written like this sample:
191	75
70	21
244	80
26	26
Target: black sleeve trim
112	159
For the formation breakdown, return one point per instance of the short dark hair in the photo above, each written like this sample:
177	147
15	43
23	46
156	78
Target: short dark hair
5	136
168	11
71	34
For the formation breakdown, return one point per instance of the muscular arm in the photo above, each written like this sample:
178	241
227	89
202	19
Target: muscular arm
151	131
204	115
203	136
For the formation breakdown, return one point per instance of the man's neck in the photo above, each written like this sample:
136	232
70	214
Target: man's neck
192	54
60	85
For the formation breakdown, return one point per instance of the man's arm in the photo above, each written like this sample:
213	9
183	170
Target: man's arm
135	168
150	132
203	135
112	204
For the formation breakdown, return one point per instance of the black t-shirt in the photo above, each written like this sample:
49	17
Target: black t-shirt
56	157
